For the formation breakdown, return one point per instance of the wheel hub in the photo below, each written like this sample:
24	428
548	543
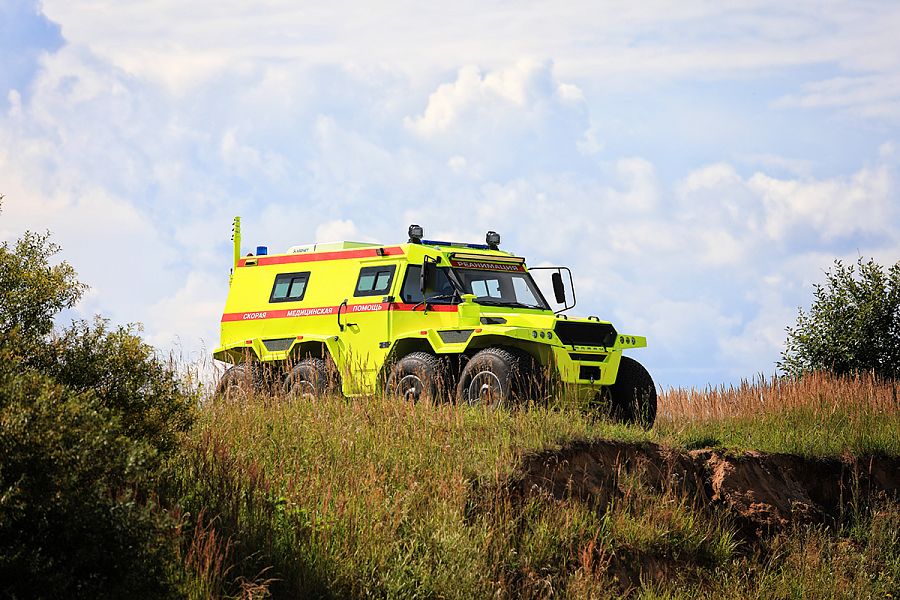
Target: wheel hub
410	388
486	389
304	389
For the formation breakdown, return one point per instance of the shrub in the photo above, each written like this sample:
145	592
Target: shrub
853	325
145	393
73	522
88	418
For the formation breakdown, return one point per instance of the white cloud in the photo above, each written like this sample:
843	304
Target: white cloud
114	248
836	207
506	120
641	192
457	163
338	230
709	177
526	91
618	43
138	141
874	96
186	316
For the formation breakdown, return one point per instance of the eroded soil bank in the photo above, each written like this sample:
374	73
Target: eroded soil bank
763	491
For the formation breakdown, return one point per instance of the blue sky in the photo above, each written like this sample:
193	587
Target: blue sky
697	164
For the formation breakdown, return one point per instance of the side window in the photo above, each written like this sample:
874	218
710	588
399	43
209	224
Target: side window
289	287
412	293
374	281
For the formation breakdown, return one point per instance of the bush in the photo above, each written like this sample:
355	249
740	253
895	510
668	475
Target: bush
145	393
73	519
88	419
853	325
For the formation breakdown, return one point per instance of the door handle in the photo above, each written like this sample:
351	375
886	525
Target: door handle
341	308
341	326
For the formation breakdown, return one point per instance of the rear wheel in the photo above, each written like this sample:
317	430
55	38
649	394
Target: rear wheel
633	395
308	380
237	382
417	376
493	377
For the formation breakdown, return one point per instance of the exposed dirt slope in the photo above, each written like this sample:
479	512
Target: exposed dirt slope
764	491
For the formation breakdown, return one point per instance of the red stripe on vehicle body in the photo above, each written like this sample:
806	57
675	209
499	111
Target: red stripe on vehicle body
431	307
318	256
321	311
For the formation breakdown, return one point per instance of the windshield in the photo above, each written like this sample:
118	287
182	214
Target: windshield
501	288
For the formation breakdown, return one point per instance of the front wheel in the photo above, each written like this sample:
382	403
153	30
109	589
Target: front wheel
493	377
633	395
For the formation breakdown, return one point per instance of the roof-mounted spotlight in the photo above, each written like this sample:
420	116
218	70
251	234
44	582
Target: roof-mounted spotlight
492	239
415	234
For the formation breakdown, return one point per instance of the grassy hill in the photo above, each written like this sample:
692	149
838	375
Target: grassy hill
381	498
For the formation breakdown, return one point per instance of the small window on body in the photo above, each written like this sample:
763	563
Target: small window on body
375	281
289	287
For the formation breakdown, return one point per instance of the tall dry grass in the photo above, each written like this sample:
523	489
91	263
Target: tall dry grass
362	498
818	414
818	391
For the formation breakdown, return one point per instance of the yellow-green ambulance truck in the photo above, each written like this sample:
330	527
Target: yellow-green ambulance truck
422	319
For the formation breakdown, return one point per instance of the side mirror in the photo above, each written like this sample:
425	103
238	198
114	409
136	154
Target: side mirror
559	290
428	279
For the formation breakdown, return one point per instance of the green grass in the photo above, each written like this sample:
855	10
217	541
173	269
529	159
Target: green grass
370	496
361	498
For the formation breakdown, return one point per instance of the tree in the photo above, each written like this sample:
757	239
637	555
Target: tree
89	417
32	290
853	325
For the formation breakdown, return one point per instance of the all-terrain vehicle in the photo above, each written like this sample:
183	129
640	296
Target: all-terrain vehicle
421	319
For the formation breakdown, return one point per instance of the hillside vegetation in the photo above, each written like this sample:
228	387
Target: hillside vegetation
119	478
90	417
378	497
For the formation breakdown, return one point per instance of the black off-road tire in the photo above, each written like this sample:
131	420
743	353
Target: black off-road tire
237	383
308	380
492	377
633	395
418	376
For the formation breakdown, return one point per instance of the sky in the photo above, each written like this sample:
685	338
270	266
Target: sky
698	165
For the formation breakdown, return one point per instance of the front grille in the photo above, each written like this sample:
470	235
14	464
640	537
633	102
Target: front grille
587	357
577	333
278	345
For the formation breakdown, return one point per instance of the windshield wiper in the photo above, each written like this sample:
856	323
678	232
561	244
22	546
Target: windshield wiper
431	300
512	303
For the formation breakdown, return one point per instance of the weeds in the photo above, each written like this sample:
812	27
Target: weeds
372	497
